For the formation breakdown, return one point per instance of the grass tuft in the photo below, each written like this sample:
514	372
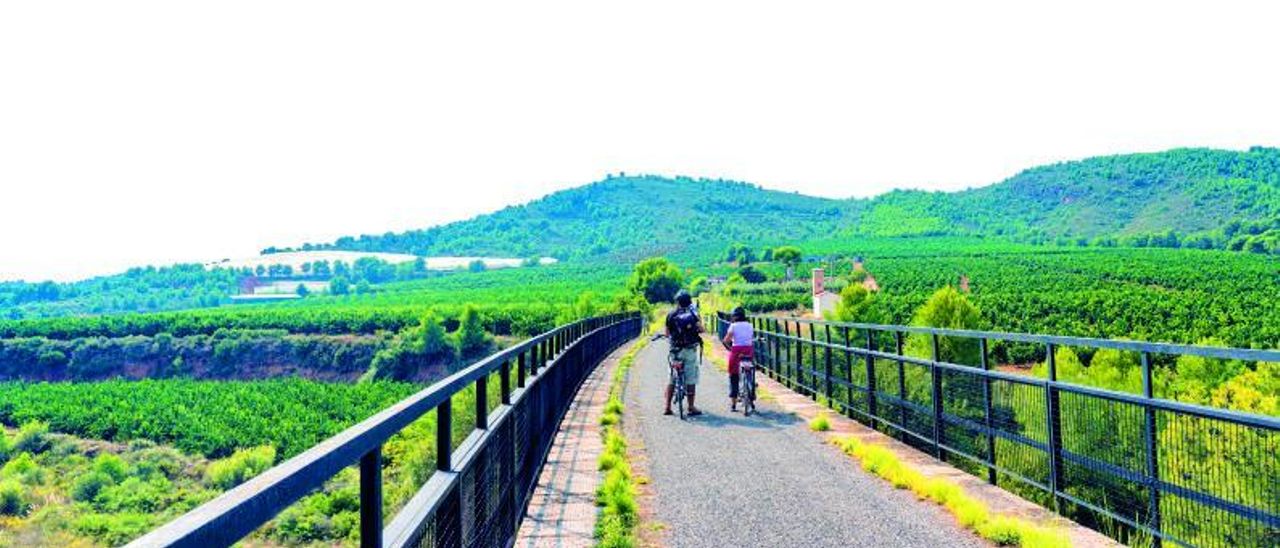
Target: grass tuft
820	423
969	512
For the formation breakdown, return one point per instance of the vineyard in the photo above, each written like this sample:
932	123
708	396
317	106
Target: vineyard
1167	295
223	432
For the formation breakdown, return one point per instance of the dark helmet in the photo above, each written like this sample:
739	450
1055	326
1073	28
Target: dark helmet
739	314
683	298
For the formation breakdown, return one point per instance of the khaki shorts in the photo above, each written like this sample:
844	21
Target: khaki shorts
691	362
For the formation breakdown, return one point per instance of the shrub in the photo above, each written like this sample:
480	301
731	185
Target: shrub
112	529
23	468
135	495
435	344
472	338
6	447
13	499
111	465
33	437
87	487
240	466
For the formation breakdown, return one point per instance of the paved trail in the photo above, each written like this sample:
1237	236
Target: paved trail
724	480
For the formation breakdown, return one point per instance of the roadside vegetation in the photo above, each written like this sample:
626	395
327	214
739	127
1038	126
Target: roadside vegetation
971	513
619	512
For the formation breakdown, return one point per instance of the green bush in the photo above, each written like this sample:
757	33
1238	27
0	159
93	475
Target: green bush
473	340
32	437
87	487
6	447
111	465
13	499
240	466
136	495
112	529
23	468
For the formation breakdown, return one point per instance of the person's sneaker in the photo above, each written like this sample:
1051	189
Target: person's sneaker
667	412
733	408
695	412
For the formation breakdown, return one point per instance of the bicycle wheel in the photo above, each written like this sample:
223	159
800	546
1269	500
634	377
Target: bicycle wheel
680	397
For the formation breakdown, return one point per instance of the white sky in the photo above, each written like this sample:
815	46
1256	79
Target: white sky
136	132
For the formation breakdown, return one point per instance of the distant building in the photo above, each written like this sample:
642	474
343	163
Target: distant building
823	300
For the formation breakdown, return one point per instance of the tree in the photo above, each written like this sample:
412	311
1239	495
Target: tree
856	305
657	279
476	266
740	253
752	275
302	290
787	255
472	339
339	286
435	343
950	309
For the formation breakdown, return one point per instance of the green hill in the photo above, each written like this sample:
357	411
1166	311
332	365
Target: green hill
1185	197
627	217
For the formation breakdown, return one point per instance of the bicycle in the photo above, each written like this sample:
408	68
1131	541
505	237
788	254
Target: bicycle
676	369
747	385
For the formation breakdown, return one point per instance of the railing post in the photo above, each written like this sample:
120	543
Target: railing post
371	499
775	350
813	353
1054	430
482	402
827	353
444	435
786	362
520	366
936	376
872	408
902	383
988	416
1153	457
848	375
506	382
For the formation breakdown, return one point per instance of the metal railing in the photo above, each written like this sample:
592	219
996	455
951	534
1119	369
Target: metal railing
1131	465
480	490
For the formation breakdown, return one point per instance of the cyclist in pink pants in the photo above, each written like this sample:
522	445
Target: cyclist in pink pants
738	339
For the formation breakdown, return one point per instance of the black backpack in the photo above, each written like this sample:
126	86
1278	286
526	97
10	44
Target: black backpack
684	328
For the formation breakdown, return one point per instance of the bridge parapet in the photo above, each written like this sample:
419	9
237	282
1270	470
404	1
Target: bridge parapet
480	489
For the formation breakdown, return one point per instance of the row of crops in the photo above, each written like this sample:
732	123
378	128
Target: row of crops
1150	294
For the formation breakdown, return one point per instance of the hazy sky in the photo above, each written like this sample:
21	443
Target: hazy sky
160	131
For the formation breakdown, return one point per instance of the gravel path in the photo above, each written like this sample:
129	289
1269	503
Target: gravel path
724	480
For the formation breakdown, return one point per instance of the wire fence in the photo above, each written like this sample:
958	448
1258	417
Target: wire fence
1141	469
480	490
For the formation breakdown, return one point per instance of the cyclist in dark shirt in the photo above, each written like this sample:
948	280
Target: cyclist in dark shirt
684	330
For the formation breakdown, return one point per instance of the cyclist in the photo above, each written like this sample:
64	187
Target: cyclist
738	339
684	330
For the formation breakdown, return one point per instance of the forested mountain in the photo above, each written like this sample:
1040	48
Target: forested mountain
633	216
1185	197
